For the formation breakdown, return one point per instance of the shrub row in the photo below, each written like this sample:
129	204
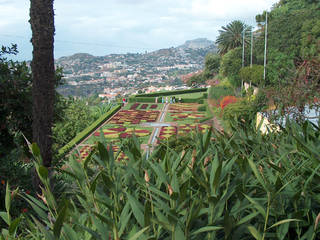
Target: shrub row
168	93
143	99
218	92
82	135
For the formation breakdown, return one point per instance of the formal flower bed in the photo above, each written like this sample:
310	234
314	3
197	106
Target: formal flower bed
184	107
85	151
122	132
134	106
185	128
169	131
134	117
144	106
153	106
186	116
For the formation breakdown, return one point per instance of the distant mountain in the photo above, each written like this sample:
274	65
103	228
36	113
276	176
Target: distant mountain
197	43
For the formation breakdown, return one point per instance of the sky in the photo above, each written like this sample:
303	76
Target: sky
101	27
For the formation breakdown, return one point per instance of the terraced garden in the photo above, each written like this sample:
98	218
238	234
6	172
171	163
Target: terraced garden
150	122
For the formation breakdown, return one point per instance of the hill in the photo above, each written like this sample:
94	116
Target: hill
86	74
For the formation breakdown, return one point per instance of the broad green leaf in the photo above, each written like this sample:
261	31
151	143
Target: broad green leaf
159	172
257	206
8	201
4	216
147	213
178	233
284	221
35	150
138	234
136	209
103	152
48	235
69	233
60	220
43	172
207	229
247	218
254	232
256	172
14	225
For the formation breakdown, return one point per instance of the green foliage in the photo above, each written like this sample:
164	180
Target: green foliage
202	108
293	33
218	92
231	36
211	65
168	93
310	38
196	80
143	99
280	68
242	185
82	135
15	100
252	74
243	110
231	64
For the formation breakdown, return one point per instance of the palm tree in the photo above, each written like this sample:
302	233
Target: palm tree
230	37
43	74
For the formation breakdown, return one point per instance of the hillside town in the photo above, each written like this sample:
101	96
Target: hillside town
129	73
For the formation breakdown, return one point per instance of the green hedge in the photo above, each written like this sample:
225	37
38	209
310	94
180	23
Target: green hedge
143	99
86	132
168	93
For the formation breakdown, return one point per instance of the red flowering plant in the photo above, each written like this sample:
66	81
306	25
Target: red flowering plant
227	100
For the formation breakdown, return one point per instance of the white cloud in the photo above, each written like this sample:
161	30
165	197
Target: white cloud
128	25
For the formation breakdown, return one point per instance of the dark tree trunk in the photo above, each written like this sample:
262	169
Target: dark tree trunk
43	73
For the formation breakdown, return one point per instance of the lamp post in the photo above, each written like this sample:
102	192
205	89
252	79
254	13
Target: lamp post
265	48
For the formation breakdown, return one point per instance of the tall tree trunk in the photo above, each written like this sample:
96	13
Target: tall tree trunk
43	73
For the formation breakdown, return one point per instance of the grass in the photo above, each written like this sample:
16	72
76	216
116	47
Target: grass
190	95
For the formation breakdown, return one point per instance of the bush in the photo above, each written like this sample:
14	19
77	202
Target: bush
252	74
255	185
202	108
242	110
219	92
143	99
168	93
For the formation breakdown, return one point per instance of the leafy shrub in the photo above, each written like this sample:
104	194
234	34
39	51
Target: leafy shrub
219	92
241	110
252	74
168	93
244	186
202	108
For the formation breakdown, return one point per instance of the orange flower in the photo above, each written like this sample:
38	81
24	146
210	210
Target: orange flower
3	182
227	100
